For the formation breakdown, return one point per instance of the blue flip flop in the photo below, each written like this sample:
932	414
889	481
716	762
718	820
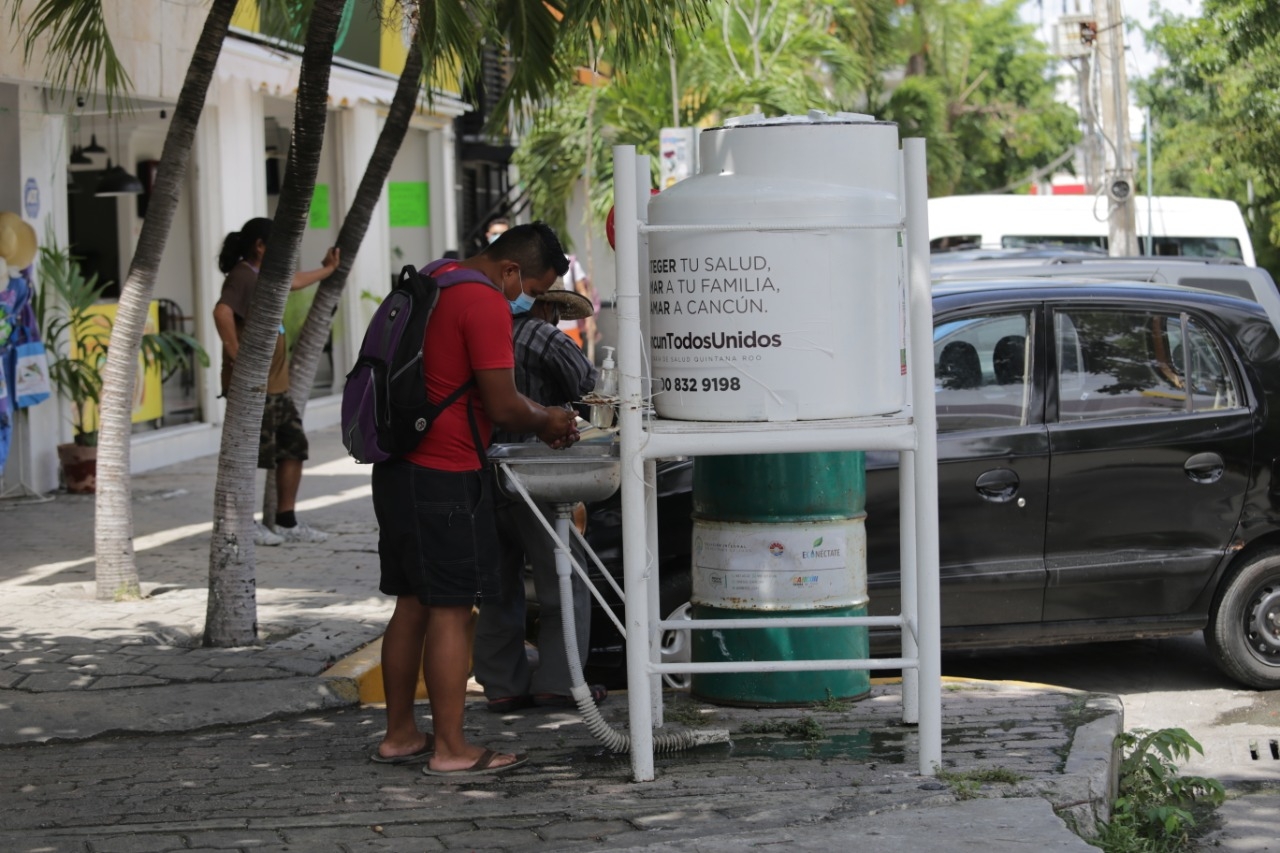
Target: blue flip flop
483	766
428	749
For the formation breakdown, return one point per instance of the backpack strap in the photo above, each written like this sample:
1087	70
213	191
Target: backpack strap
453	273
475	433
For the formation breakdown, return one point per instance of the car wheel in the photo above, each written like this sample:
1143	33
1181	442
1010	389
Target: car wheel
676	647
673	603
1244	625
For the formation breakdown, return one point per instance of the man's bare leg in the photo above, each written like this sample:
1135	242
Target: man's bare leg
445	665
401	663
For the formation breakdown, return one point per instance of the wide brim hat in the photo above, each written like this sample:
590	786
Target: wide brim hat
17	241
573	306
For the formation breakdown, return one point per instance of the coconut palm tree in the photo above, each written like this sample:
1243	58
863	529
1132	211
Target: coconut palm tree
231	615
315	329
117	571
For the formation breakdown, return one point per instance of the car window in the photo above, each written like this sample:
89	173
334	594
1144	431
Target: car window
981	368
1125	364
1211	385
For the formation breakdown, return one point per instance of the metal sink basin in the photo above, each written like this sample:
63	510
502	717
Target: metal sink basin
588	471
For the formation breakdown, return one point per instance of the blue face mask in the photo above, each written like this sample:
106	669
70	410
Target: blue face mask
522	303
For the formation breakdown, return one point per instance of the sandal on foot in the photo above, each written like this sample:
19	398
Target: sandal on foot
555	700
424	753
508	704
483	766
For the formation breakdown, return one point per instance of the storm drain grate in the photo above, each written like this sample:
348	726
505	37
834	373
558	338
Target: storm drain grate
1259	751
1270	750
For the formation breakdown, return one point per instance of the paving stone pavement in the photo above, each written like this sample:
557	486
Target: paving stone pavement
304	783
118	732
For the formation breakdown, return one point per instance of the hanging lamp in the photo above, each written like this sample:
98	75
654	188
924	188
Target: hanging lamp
115	180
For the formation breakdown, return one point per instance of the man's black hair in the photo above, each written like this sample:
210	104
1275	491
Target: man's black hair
535	247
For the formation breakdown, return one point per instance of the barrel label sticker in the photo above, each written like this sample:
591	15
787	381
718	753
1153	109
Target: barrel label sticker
763	566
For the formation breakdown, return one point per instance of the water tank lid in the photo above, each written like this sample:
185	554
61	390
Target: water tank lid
812	117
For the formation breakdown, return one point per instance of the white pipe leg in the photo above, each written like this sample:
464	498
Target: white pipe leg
634	539
920	312
909	593
655	583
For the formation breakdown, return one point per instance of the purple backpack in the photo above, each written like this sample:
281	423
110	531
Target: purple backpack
385	411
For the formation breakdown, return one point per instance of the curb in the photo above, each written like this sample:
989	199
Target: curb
83	715
1082	796
363	668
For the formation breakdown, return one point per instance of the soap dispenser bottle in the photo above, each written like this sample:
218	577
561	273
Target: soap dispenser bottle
606	391
607	384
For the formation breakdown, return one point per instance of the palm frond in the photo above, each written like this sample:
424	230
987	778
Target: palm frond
449	34
80	49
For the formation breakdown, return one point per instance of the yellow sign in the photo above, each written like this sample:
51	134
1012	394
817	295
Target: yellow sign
148	405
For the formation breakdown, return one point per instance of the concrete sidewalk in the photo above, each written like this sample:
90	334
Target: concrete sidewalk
118	732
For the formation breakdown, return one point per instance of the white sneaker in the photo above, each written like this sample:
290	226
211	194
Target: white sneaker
303	532
263	535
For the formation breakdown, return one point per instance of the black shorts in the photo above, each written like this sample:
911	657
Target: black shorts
437	537
282	436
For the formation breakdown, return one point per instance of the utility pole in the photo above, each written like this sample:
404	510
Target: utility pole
1113	86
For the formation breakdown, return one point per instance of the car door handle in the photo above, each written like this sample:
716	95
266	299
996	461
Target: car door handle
998	485
1204	468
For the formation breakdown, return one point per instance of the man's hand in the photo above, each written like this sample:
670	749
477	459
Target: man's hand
560	430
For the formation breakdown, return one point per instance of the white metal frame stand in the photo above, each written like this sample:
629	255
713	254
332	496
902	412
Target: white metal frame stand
644	439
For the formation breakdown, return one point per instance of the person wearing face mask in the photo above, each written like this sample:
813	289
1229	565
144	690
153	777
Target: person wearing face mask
495	229
437	537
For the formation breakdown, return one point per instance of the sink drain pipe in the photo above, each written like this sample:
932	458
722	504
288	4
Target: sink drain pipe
613	739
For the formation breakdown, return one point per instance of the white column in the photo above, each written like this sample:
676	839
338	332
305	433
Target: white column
358	130
231	185
442	169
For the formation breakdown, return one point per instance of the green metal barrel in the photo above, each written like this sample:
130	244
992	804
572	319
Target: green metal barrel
780	535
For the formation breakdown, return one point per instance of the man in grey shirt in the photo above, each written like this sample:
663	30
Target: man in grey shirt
552	370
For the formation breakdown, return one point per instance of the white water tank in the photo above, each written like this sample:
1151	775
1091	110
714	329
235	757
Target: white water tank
803	323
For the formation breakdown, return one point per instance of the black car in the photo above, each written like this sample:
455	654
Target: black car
1107	458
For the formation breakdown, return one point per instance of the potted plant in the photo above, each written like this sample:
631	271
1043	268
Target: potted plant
76	339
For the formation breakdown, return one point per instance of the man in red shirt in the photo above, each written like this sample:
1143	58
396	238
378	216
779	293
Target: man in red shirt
438	540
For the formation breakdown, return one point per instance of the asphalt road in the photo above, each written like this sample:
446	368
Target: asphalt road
1172	683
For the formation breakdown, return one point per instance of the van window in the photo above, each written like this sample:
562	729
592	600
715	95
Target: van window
960	241
1031	241
1195	247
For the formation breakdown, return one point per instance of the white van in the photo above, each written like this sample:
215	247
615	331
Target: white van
1190	227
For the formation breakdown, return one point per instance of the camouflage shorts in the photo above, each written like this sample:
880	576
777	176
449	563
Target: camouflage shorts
282	436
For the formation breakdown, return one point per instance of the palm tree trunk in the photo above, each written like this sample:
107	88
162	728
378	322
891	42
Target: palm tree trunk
231	618
117	571
315	330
